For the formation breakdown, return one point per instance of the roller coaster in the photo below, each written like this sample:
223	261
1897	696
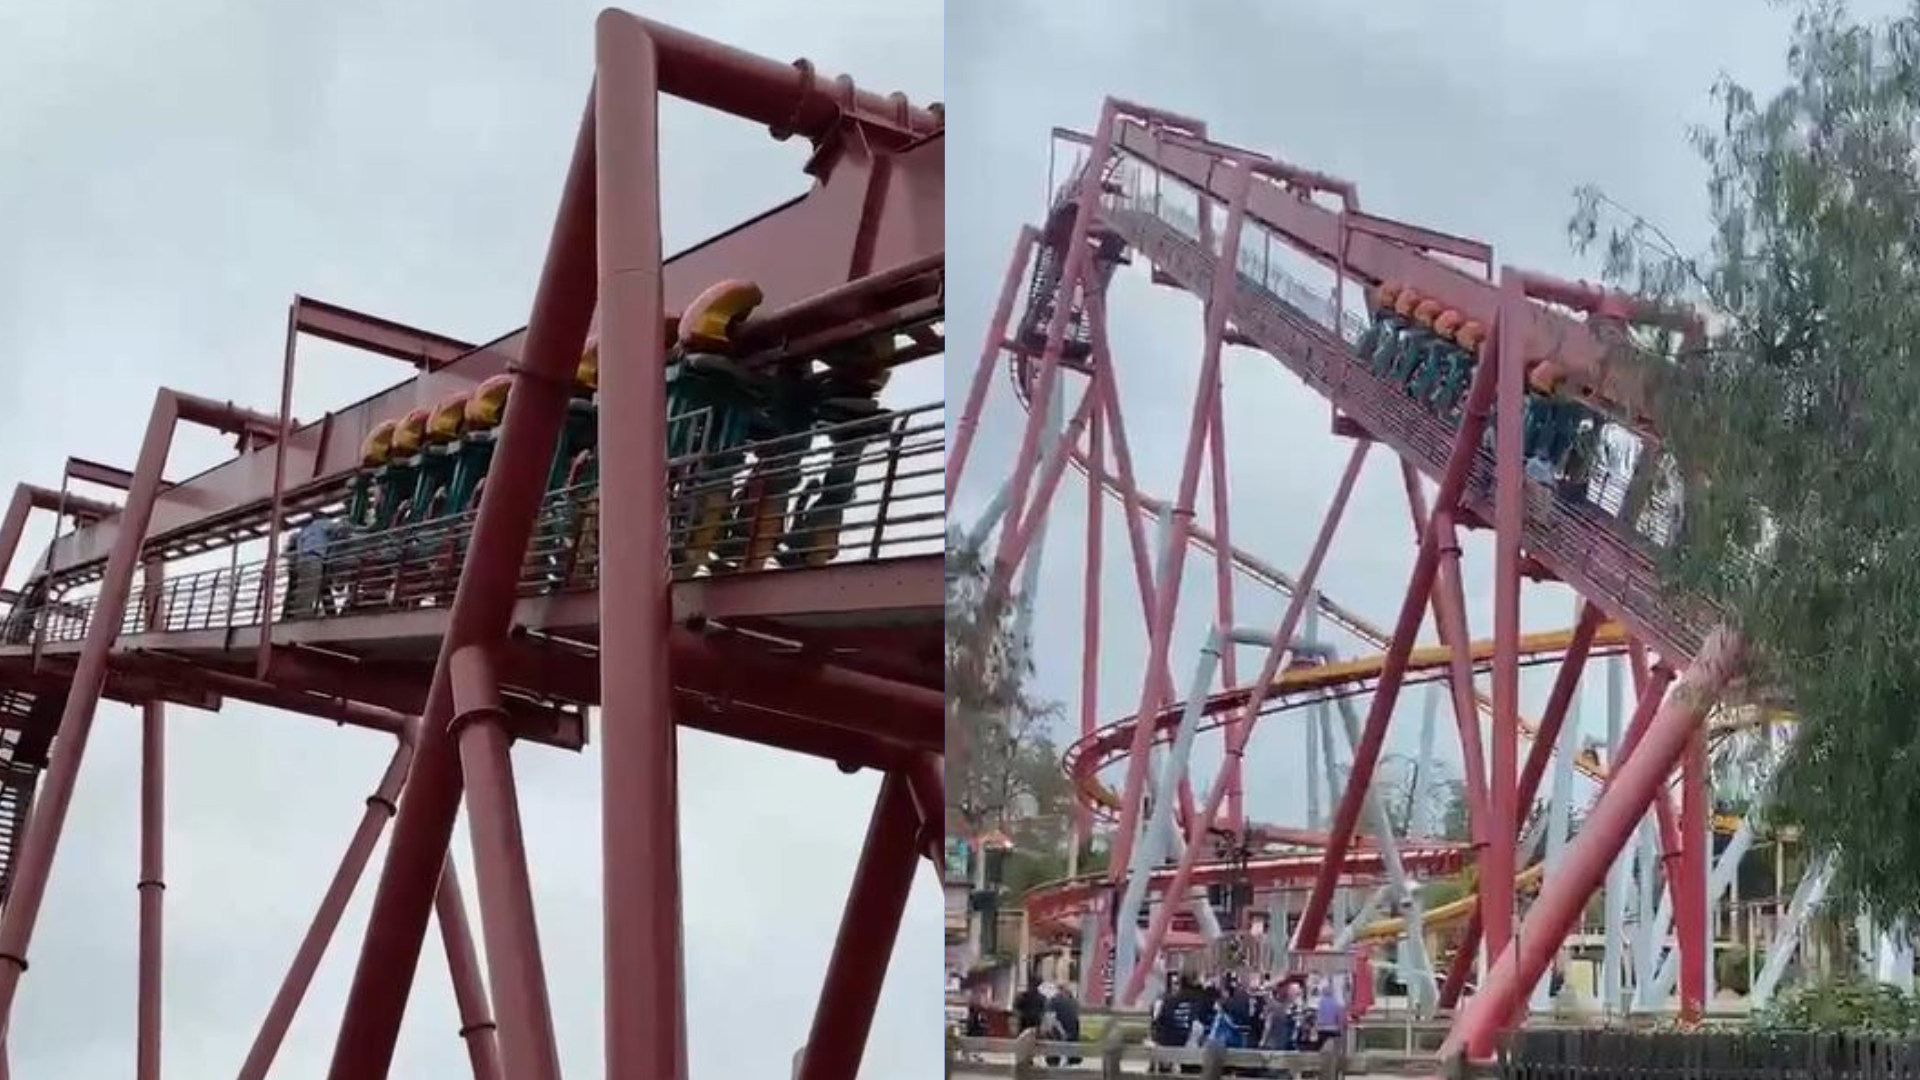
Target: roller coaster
1513	401
676	496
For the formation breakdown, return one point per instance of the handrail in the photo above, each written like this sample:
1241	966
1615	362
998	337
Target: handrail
860	491
1580	539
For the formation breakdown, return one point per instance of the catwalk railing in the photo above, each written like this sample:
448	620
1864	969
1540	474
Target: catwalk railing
862	491
1582	539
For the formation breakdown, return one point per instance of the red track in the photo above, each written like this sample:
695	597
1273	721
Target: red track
1152	186
532	624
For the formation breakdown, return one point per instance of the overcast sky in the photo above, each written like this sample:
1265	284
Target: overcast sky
170	176
1476	118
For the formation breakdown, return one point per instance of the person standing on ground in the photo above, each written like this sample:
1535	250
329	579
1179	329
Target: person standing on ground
1063	1020
1029	1008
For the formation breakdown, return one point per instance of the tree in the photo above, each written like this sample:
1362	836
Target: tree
1793	422
1397	782
1003	769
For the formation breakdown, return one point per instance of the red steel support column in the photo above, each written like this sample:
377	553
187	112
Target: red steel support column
477	1028
1393	668
1223	591
42	836
514	969
264	657
1237	734
1173	564
1566	682
152	885
1072	270
868	927
482	612
1450	612
996	337
1108	384
1090	623
1497	859
1608	826
1016	541
639	755
153	720
1689	885
380	807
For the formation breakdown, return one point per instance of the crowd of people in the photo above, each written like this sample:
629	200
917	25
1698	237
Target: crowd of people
1291	1013
1294	1012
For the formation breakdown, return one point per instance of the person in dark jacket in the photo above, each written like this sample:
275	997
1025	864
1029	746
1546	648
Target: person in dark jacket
1173	1021
1029	1008
1064	1012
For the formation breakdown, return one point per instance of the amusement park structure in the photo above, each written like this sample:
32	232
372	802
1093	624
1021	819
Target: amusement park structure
675	497
1514	402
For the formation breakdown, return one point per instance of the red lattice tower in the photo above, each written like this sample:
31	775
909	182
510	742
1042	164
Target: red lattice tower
1542	336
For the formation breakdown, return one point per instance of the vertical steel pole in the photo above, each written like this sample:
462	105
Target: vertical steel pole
1689	883
514	968
639	755
1090	623
996	337
868	926
1450	613
152	886
1497	861
477	1028
277	514
482	612
1223	588
1613	956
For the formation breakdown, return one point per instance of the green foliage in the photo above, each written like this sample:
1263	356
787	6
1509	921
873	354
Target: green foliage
1730	970
1793	423
1003	769
1845	1004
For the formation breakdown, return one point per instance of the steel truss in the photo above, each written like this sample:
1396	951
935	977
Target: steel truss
472	654
1152	186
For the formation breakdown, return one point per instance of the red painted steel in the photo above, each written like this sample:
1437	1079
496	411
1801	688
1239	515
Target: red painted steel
381	805
868	927
1499	860
1277	652
477	1028
996	336
1607	827
482	613
861	254
639	808
1539	532
516	974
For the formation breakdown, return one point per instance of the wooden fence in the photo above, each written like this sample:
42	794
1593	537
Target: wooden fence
1623	1055
1031	1058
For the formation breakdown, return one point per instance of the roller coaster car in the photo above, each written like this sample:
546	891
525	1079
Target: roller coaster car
711	403
403	467
439	457
485	407
374	452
